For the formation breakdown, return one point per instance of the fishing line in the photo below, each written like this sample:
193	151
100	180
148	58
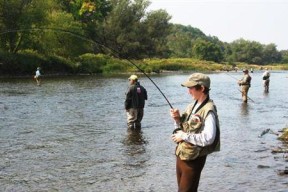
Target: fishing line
232	77
114	52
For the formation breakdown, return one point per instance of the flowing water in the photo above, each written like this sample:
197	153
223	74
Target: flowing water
69	134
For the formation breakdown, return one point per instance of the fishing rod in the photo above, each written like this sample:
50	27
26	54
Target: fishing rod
151	81
113	51
238	89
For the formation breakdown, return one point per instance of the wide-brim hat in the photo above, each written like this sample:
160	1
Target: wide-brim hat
197	79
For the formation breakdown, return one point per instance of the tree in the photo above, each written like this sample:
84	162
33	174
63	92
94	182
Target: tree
16	16
181	39
247	51
131	32
270	54
155	29
67	40
86	11
254	52
284	56
206	50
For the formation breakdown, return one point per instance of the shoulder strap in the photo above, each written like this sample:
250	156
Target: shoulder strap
202	104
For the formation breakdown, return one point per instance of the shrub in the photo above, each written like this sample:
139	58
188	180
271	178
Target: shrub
58	64
115	65
24	62
91	63
29	60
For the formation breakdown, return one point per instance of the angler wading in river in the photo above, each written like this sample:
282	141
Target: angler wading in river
266	80
37	76
135	102
197	133
245	84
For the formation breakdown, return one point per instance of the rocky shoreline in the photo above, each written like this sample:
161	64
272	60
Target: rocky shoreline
282	135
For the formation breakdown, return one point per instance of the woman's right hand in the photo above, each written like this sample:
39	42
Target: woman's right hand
175	114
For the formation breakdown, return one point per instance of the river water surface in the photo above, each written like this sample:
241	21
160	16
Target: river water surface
69	134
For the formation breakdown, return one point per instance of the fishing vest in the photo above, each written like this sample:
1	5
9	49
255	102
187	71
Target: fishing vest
194	123
246	80
266	75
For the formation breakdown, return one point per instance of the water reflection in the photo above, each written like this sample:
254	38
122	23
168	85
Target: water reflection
135	148
265	93
134	143
244	109
134	137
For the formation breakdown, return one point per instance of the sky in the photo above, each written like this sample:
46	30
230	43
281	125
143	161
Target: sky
263	21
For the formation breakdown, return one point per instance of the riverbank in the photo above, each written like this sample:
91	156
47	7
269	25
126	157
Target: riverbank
200	65
283	137
99	64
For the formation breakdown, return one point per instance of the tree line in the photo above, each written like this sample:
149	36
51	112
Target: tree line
67	35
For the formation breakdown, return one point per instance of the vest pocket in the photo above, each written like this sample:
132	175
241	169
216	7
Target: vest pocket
187	151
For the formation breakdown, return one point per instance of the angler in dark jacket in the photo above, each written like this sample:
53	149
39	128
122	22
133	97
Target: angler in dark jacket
135	102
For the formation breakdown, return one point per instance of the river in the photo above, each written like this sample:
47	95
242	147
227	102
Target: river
69	134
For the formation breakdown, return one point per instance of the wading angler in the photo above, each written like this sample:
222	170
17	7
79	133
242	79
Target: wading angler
135	102
197	133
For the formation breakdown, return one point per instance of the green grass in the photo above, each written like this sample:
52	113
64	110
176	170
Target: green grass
27	62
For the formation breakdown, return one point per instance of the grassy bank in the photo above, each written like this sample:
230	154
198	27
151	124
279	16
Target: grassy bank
26	64
187	64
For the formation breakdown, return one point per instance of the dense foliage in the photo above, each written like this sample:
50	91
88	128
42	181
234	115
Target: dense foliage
91	36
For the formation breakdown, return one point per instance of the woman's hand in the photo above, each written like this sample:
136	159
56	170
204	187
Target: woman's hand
175	114
178	136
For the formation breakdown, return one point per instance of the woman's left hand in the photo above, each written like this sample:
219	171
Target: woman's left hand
178	136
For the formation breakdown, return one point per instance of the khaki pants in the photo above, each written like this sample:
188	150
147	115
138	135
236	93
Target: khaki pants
244	90
134	117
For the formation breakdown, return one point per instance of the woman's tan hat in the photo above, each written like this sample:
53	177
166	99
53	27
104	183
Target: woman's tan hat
197	79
